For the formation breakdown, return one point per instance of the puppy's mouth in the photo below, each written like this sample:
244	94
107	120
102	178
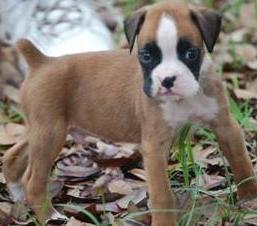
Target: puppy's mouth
169	93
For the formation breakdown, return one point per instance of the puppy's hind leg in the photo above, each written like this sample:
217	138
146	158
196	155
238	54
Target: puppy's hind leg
14	164
45	143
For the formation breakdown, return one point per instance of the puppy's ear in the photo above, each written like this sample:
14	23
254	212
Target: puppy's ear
209	23
132	26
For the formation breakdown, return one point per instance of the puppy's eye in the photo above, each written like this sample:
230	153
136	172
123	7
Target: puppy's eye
192	54
145	57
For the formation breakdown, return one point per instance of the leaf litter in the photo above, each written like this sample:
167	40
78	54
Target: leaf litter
107	179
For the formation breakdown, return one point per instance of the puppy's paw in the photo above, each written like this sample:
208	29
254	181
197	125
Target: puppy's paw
16	192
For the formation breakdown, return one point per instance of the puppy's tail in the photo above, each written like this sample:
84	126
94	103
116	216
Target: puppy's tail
31	53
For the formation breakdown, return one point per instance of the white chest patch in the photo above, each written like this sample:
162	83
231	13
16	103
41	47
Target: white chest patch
199	108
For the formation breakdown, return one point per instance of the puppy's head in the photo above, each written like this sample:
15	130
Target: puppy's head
170	38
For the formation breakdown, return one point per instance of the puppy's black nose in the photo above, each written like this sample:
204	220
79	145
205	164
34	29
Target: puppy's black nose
168	82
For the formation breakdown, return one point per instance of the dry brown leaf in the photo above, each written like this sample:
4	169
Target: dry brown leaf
135	197
238	35
75	192
223	57
248	16
126	150
246	52
140	173
109	175
250	219
232	75
6	207
249	204
217	161
11	133
76	171
12	93
75	222
201	156
91	139
75	165
253	86
54	187
212	181
141	220
109	150
228	224
102	181
110	206
132	222
252	64
245	94
120	187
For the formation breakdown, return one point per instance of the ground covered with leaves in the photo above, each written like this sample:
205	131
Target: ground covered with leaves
98	182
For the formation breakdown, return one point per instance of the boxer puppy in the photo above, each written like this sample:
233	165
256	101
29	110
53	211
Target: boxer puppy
143	98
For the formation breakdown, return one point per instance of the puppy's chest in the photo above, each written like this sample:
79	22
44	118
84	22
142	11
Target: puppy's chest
198	109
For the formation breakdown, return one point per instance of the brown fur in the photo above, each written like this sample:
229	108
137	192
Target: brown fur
103	93
179	12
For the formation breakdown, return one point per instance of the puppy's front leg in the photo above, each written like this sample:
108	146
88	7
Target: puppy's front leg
231	141
154	151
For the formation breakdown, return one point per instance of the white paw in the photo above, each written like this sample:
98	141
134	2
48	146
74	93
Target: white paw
16	192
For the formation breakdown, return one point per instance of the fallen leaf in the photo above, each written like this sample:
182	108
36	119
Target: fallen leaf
140	173
111	207
6	207
109	175
253	86
246	52
238	35
74	222
102	181
250	218
249	204
247	15
135	197
217	161
12	93
212	181
252	64
54	187
201	156
76	171
120	187
244	94
11	133
232	75
109	150
127	149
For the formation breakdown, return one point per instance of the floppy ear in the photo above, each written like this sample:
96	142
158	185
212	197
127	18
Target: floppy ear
209	23
132	26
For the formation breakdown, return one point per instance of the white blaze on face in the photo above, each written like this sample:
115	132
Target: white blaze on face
185	84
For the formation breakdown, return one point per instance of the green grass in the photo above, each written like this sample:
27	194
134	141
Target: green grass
237	62
9	112
242	113
223	208
191	170
82	210
129	5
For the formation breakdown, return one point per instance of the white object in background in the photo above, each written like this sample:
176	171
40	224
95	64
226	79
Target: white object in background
56	27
